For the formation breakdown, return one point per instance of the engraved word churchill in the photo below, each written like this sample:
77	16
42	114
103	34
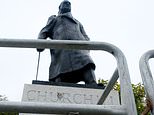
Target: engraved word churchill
61	97
64	94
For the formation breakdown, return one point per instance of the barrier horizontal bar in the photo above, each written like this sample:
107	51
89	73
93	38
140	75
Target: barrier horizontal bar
53	108
127	97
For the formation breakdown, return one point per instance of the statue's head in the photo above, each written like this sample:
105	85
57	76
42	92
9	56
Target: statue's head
65	7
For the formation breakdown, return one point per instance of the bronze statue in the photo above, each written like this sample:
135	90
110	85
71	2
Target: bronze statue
70	66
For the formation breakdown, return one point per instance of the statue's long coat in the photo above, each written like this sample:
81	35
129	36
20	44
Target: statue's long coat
65	27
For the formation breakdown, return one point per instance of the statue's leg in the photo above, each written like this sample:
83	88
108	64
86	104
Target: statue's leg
55	80
58	80
89	76
70	77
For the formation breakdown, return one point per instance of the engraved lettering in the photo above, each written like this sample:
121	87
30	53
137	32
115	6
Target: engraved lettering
31	95
53	97
77	98
66	98
41	96
88	99
111	100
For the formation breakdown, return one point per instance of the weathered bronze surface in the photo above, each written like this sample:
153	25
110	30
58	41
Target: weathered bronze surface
70	66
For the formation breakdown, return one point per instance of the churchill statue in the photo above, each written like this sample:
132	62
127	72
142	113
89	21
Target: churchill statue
71	66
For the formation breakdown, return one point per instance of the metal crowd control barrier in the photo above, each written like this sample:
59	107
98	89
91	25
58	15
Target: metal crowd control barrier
127	106
147	75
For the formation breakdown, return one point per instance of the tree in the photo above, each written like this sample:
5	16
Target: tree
138	91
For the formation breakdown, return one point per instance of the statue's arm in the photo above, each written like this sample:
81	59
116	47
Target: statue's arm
46	31
83	32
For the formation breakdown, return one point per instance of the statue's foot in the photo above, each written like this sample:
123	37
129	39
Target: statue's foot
94	84
101	85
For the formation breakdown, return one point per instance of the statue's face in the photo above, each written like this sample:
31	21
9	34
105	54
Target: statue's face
65	7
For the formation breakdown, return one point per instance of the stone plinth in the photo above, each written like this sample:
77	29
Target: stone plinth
64	94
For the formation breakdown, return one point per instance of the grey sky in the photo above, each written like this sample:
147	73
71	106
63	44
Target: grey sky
128	24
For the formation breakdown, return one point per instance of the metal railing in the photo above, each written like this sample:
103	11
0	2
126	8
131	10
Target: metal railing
127	97
147	75
66	109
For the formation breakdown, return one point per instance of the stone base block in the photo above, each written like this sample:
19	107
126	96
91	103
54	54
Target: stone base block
64	94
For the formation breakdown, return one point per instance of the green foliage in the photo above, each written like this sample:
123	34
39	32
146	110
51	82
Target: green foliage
9	113
105	82
139	94
4	98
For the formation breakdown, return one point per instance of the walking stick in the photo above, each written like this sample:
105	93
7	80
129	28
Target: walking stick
38	66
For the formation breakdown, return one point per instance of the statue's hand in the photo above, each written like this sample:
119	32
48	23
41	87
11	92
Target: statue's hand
41	37
40	50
